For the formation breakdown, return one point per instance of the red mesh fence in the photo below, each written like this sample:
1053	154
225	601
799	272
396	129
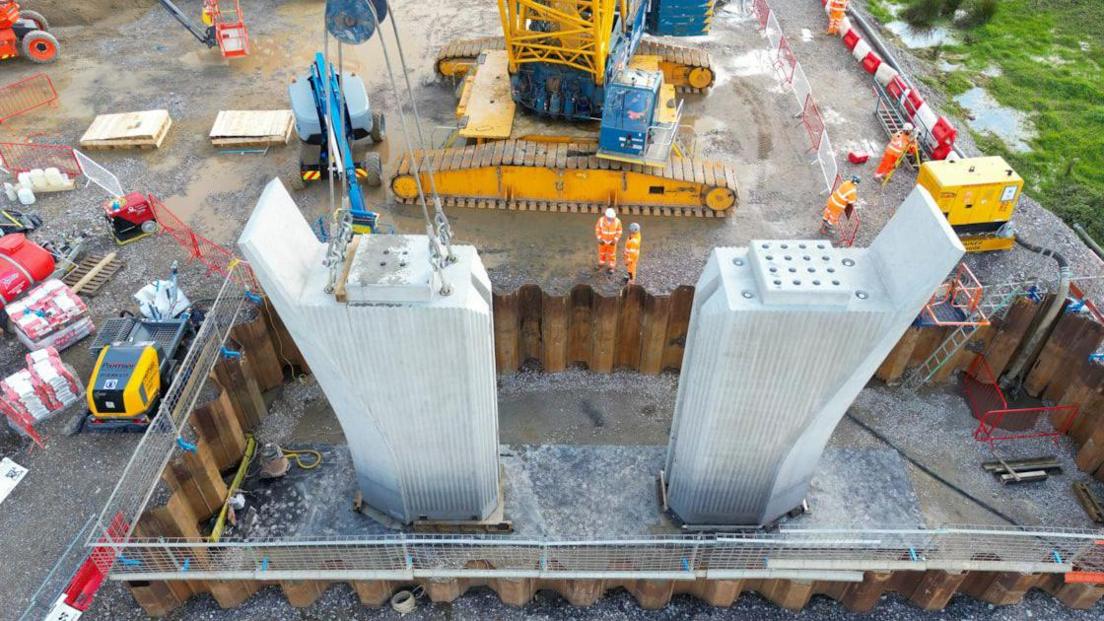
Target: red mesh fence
215	257
813	122
786	62
20	157
762	11
997	422
26	95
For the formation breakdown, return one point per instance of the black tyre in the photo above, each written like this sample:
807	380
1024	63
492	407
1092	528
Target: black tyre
373	166
40	47
36	17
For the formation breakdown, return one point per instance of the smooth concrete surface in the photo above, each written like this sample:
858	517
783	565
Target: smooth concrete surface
783	336
409	372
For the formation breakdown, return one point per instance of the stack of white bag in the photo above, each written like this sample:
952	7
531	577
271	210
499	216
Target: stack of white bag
46	387
50	315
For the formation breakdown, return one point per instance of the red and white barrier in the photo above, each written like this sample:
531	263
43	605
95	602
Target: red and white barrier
937	135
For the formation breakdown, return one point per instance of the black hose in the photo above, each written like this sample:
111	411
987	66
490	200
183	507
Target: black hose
1089	241
1033	344
933	474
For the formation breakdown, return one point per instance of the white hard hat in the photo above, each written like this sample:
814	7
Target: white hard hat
634	227
909	127
610	213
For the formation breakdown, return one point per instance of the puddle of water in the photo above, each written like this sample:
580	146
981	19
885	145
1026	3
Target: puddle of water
1011	126
919	39
752	62
947	67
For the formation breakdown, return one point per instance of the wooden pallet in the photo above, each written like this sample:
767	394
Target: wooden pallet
128	130
92	273
252	128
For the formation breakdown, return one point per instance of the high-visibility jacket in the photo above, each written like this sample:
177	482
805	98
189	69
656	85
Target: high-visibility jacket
899	143
844	195
632	248
608	231
837	6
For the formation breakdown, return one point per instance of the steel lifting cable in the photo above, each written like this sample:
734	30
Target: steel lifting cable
436	228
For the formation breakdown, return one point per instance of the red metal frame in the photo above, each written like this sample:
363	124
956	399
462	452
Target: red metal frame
762	11
786	62
25	95
813	122
963	292
214	257
20	157
989	406
229	30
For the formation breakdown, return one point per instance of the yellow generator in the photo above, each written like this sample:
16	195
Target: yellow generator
978	196
135	362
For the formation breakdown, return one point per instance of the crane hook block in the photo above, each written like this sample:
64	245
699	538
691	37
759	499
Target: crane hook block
352	21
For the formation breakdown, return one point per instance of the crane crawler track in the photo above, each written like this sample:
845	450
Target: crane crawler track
566	178
689	69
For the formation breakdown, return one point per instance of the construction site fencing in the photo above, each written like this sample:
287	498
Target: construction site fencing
792	76
829	554
99	175
989	406
785	62
20	157
163	436
26	95
215	257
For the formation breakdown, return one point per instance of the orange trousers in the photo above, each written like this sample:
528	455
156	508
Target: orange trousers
888	163
607	254
834	20
630	267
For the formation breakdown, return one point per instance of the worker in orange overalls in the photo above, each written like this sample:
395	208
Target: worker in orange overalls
608	232
632	251
901	143
836	11
847	194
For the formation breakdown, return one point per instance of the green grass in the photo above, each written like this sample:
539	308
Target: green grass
1045	72
879	11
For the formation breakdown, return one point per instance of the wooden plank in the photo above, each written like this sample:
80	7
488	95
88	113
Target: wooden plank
653	337
91	273
579	328
606	312
893	367
506	332
530	351
678	323
255	128
128	130
554	332
627	355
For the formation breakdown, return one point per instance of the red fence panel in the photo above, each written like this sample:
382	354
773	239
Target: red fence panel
813	122
26	95
215	257
762	11
20	157
786	62
989	406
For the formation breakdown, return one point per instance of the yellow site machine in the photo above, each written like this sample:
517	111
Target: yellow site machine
135	363
978	195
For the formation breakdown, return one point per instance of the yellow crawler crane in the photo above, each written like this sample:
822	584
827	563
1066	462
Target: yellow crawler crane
688	69
572	61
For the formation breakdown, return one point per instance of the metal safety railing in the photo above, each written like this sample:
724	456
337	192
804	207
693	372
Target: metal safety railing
25	95
788	553
160	441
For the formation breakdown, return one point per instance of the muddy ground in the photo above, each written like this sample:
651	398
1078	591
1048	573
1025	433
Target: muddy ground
125	56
